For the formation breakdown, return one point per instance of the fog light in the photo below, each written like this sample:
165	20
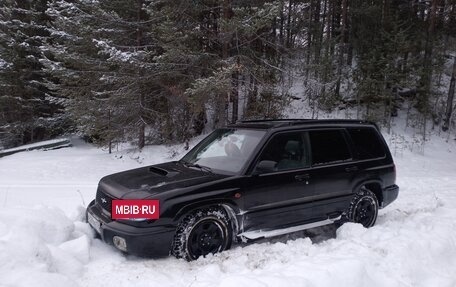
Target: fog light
120	243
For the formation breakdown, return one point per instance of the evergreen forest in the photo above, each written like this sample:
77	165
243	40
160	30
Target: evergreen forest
164	71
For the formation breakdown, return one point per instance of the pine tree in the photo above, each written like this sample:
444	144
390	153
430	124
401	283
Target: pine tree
28	109
105	63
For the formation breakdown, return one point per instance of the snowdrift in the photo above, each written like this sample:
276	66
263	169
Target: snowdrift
45	242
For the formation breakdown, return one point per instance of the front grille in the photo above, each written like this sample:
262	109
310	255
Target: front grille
104	200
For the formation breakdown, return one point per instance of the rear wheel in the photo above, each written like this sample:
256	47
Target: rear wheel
363	208
202	232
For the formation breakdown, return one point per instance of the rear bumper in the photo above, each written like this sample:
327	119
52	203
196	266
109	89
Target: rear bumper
389	195
153	241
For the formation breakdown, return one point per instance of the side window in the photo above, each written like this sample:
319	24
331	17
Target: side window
328	146
366	143
287	151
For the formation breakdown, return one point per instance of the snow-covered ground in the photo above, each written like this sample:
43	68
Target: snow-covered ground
44	241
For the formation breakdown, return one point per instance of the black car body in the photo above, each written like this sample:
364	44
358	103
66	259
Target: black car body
288	175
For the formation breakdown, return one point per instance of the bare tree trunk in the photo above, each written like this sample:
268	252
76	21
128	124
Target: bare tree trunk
252	94
222	113
235	97
142	124
341	49
317	36
404	62
427	71
309	44
290	10
109	131
282	20
349	41
449	107
326	68
452	17
273	50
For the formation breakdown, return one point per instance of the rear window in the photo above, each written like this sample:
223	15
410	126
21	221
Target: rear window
366	143
328	146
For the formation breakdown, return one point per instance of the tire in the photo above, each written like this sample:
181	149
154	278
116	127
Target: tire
202	232
363	208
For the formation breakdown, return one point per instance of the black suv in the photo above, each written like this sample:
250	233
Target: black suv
251	180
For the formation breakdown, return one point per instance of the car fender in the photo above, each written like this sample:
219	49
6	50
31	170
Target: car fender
376	181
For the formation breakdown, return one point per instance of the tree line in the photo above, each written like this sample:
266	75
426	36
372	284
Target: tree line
146	71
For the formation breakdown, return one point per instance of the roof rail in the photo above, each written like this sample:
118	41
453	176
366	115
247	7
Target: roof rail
271	120
292	122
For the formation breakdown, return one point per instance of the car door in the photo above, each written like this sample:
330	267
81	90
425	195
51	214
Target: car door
275	198
333	171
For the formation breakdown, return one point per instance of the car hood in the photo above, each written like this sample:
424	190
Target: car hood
146	181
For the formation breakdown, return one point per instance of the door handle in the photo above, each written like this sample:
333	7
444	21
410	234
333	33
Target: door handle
301	177
351	168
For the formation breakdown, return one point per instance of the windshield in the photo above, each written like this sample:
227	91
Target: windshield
225	149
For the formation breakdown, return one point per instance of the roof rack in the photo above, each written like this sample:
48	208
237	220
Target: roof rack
271	120
293	122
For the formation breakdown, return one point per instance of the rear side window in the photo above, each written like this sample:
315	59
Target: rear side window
366	143
328	146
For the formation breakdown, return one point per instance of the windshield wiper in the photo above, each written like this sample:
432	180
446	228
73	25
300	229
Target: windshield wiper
201	167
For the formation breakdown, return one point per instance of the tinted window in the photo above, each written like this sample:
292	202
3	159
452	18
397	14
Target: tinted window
328	146
287	151
366	143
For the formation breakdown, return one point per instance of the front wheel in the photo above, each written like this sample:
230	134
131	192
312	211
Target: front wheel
363	208
202	232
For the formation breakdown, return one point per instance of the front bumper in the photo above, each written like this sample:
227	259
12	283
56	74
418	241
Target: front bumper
153	241
389	194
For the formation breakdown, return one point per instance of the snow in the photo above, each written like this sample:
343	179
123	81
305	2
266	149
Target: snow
114	53
44	241
4	64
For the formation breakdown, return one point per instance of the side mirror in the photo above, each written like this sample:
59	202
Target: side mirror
265	166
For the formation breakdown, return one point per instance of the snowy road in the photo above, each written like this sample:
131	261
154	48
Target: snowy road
43	241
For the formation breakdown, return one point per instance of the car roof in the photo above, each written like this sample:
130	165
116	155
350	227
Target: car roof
293	123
